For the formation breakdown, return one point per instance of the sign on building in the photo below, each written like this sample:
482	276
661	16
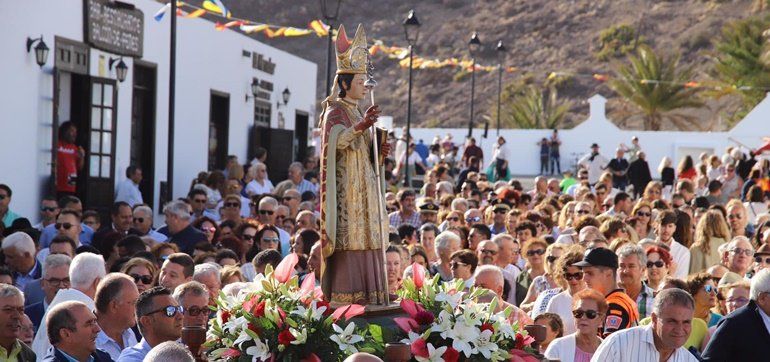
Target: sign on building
114	26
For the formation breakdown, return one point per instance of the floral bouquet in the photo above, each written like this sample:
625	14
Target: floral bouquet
276	319
446	323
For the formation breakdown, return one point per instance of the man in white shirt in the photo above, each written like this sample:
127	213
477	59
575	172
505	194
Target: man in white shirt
143	224
662	340
116	297
128	189
594	163
507	255
86	271
665	226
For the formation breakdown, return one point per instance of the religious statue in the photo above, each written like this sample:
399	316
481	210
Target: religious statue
353	220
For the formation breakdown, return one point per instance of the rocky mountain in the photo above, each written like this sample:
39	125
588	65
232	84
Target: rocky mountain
542	36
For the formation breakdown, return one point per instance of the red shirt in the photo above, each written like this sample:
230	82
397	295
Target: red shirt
66	167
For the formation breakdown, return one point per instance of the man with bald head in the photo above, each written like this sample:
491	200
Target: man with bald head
738	255
486	252
473	217
115	300
292	198
491	277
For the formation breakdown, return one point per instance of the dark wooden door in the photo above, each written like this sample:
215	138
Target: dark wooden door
219	122
279	146
143	127
300	136
98	186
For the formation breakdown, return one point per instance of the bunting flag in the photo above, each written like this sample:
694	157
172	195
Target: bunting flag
195	14
216	6
319	28
159	15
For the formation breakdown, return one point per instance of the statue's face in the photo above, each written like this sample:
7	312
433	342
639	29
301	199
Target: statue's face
357	90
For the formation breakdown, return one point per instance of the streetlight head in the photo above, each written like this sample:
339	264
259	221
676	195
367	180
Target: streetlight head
474	44
254	87
41	53
330	9
121	71
500	47
411	27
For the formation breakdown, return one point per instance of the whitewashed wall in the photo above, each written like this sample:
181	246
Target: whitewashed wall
597	128
206	60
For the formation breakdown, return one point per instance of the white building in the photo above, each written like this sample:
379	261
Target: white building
124	123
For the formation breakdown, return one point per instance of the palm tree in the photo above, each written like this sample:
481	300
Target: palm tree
532	107
655	85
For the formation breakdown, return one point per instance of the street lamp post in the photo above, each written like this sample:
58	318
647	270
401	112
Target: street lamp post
411	33
331	11
473	46
500	53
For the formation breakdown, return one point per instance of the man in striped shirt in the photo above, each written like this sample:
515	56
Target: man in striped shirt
406	214
633	262
662	340
600	266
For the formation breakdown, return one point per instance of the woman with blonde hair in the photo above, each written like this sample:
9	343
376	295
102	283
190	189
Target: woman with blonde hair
653	191
259	183
642	211
547	280
710	233
570	280
666	174
565	216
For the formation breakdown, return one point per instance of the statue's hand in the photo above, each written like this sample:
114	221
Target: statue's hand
370	117
386	149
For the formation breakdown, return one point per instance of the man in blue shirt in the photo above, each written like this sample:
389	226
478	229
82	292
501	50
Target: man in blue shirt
73	330
6	215
159	318
49	232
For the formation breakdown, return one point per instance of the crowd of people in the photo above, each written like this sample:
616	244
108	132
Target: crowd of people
614	265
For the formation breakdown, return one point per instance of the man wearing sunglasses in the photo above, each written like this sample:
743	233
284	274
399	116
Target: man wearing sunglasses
267	215
738	255
143	224
49	232
663	340
737	219
291	199
761	258
194	299
159	318
49	209
600	267
498	220
198	201
115	301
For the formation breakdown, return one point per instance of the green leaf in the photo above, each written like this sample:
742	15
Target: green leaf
376	332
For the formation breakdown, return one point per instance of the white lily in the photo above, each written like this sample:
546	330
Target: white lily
259	351
452	299
242	337
485	345
462	335
345	339
300	337
411	337
443	323
314	313
434	354
235	325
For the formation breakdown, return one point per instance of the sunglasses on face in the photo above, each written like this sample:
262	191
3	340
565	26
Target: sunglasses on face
145	279
490	252
760	260
709	288
657	264
551	258
232	204
65	225
195	311
139	220
583	212
169	310
456	264
265	212
473	219
270	240
48	209
248	237
574	276
280	217
642	213
453	219
589	314
535	252
739	251
209	230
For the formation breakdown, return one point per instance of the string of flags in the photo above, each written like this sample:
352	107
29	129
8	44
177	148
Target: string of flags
317	27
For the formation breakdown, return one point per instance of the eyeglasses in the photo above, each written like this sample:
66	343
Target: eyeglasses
490	252
270	240
453	219
169	310
734	216
48	209
589	314
583	212
265	212
210	230
657	264
473	219
248	237
642	213
535	252
280	217
58	282
199	201
739	300
65	225
232	204
551	258
145	279
574	276
457	264
739	251
759	259
195	311
139	220
709	288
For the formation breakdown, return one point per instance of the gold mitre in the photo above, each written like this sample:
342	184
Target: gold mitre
351	56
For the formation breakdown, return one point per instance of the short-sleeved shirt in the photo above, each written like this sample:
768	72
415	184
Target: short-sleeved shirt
621	313
66	167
